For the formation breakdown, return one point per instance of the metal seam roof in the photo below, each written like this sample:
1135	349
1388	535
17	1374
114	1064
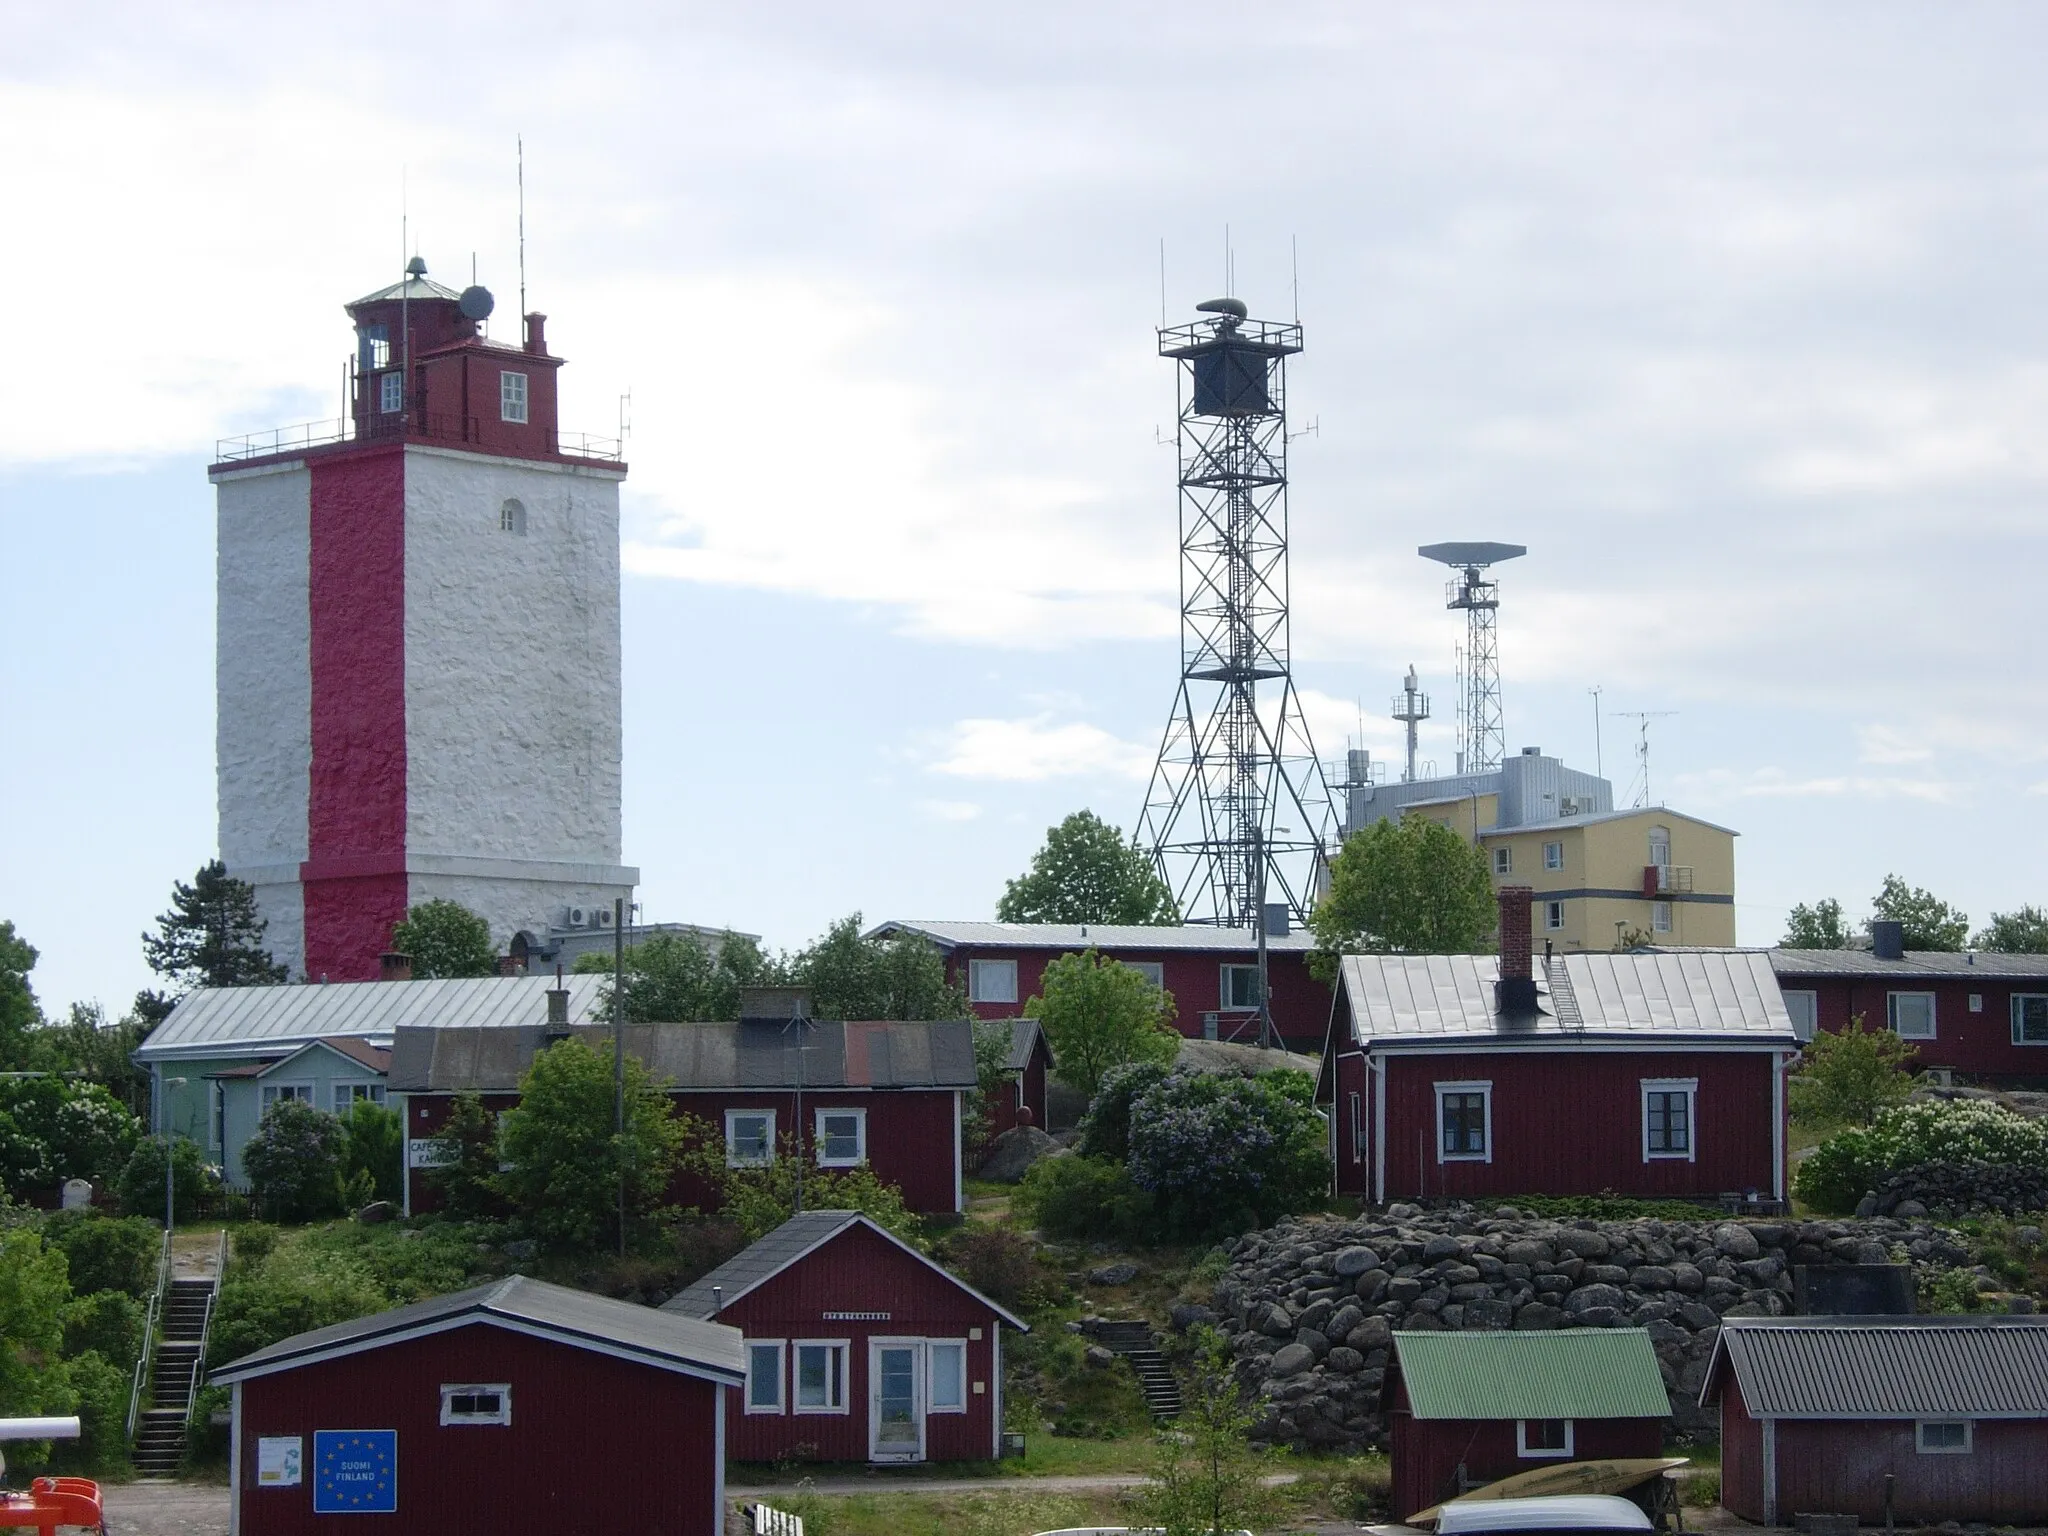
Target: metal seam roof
1918	964
1099	936
1887	1368
230	1021
1575	1373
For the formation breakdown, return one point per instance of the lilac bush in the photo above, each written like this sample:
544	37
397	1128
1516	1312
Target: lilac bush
1221	1154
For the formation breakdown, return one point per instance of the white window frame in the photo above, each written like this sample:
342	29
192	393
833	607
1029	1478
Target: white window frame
1921	1426
347	1095
1809	1004
1504	860
512	396
749	1114
1485	1092
1553	855
1226	993
860	1136
1543	1453
1690	1087
1152	970
781	1348
1660	917
1357	1128
451	1415
1553	917
843	1348
512	516
2013	1009
931	1376
1660	842
982	986
390	393
268	1094
1891	1015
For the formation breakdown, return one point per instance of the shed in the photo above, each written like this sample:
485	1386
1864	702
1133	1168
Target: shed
859	1348
1946	1416
512	1407
1025	1070
1468	1408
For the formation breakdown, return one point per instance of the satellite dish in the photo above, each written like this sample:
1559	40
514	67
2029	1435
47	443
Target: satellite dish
1232	307
1472	553
476	303
417	267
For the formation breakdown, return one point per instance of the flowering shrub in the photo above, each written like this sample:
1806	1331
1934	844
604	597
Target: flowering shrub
53	1129
1106	1130
1846	1166
1086	1197
1221	1155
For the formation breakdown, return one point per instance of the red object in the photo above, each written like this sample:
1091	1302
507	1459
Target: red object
51	1502
1022	1098
1980	1043
596	1441
1515	939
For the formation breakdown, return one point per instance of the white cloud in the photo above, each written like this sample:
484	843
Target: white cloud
950	810
1883	744
1038	748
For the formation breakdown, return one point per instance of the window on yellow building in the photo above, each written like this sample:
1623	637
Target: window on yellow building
1503	861
1553	855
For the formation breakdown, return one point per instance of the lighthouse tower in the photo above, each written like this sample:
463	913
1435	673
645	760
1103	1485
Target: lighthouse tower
418	645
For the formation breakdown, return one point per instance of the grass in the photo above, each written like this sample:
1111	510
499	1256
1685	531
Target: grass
1006	1513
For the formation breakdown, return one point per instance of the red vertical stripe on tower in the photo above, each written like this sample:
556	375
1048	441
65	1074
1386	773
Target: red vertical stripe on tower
354	873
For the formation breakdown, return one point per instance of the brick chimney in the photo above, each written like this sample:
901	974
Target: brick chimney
1514	994
537	334
394	965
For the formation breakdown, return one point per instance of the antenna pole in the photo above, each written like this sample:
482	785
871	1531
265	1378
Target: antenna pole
1599	768
520	140
1162	282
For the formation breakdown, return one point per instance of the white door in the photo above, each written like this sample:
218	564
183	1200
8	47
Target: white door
896	1399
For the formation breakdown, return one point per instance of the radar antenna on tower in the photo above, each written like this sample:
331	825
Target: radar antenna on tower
1238	806
1482	736
1411	708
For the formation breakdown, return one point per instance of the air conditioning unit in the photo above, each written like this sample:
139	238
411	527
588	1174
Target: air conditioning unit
579	917
601	917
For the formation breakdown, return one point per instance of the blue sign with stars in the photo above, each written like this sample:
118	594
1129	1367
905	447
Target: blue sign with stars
355	1472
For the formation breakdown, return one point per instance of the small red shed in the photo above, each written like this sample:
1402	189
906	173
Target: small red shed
513	1407
858	1347
1919	1419
1656	1075
1463	1409
1029	1064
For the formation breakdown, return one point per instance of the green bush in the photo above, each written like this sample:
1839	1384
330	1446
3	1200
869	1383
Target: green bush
1607	1208
1842	1169
105	1323
999	1262
1222	1155
1086	1197
57	1128
468	1181
1106	1128
101	1387
373	1149
294	1162
1847	1077
255	1241
295	1290
141	1185
108	1253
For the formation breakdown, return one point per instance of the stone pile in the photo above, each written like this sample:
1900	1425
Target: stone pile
1949	1190
1311	1307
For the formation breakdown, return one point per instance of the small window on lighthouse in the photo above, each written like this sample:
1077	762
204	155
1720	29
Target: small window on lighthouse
391	393
512	517
512	396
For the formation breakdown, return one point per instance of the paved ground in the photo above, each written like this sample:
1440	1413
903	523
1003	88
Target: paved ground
165	1509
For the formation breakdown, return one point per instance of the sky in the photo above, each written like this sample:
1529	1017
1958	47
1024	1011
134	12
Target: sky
1733	315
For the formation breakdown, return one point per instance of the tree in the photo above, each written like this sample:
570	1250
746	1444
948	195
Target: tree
445	938
1404	887
562	1159
1205	1479
1099	1013
212	936
57	1128
141	1184
1846	1077
373	1151
897	976
1087	873
991	1078
1222	1155
103	1052
2024	932
1819	926
677	978
33	1296
1930	923
759	1199
21	1017
294	1162
468	1172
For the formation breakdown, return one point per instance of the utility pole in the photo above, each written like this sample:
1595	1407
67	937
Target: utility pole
1599	765
619	1053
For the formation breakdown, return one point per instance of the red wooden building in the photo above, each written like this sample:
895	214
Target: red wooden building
1463	1409
1892	1419
1026	1069
1471	1076
858	1347
513	1407
1212	973
884	1095
1983	1015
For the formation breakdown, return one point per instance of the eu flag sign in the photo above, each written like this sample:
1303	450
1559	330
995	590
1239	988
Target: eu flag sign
355	1471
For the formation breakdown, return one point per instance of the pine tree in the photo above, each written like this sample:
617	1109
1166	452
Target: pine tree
212	936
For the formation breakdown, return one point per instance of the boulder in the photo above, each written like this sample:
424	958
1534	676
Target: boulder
1099	1358
1588	1296
378	1211
1441	1246
1374	1333
1346	1318
1314	1341
1011	1154
1687	1277
1654	1277
1316	1314
1586	1245
1736	1242
1191	1315
1113	1274
1535	1315
1289	1361
1487	1313
1354	1261
1344	1360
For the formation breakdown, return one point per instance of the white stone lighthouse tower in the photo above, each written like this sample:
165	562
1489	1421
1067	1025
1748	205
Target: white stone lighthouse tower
418	645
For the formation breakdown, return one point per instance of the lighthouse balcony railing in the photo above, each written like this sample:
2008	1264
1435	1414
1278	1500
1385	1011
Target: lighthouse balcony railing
431	426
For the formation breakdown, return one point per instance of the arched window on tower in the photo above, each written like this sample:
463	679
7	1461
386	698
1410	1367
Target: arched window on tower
512	516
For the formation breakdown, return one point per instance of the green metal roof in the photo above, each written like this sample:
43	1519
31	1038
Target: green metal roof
1576	1373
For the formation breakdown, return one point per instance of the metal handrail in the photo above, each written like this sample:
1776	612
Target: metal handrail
220	1269
436	426
156	1297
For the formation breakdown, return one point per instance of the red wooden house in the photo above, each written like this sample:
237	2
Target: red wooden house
1913	1419
884	1095
514	1407
1463	1409
1212	973
858	1347
1983	1015
1022	1102
1471	1076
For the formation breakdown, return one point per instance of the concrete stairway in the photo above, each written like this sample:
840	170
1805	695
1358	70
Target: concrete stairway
1135	1342
159	1449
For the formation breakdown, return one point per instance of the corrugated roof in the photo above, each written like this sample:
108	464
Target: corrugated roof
1885	1368
1025	1036
574	1317
1917	965
1100	936
1575	1373
768	1256
227	1021
751	1054
376	1058
406	288
1697	994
